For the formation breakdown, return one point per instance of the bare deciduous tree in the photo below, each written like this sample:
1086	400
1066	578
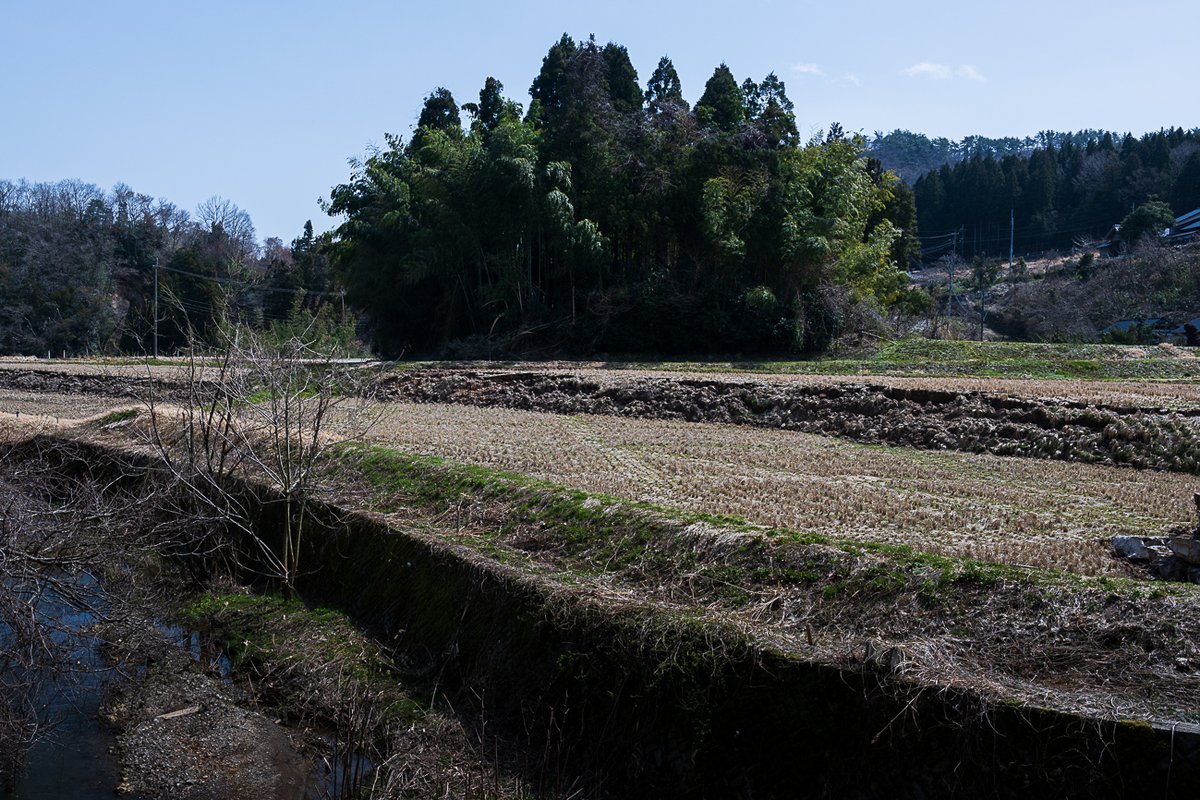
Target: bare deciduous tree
257	412
216	214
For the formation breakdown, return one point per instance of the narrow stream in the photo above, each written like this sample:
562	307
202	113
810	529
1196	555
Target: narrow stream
74	759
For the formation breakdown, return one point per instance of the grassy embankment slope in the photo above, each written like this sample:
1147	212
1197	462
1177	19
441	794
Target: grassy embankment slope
968	359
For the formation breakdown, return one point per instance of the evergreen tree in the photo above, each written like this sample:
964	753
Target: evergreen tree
550	90
440	112
491	104
622	79
1068	186
611	220
775	117
1185	196
1147	220
664	92
722	106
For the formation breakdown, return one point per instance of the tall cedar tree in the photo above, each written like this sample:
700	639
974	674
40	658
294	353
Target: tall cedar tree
722	105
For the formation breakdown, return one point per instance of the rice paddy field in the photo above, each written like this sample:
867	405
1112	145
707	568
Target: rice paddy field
730	492
1182	395
58	407
1036	512
1012	510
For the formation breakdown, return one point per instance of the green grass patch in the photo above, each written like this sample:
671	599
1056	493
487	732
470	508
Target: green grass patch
118	416
938	357
263	632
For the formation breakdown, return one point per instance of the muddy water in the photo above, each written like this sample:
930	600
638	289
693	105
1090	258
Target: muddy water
76	762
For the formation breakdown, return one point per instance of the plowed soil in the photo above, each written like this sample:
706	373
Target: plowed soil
974	422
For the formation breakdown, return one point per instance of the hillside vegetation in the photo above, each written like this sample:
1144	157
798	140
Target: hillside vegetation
608	216
1082	297
80	269
1057	193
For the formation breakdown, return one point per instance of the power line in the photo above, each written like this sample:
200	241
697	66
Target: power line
202	307
248	285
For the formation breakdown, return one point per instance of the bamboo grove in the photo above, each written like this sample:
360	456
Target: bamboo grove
609	217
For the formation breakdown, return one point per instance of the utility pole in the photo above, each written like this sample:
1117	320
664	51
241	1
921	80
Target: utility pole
1012	231
951	264
156	308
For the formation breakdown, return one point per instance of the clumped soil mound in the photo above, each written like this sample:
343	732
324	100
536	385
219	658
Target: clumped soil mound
77	383
976	422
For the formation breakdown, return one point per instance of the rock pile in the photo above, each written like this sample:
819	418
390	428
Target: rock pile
1169	558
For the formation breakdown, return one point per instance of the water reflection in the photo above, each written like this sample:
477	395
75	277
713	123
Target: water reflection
71	757
59	691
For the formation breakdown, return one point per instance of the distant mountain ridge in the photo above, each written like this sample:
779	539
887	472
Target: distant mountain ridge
983	204
911	155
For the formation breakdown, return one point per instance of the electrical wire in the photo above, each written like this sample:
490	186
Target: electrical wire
249	285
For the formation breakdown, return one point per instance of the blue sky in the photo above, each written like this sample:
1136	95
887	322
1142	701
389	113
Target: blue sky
264	102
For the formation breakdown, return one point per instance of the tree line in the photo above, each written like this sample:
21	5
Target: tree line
615	217
911	155
78	265
609	216
1058	193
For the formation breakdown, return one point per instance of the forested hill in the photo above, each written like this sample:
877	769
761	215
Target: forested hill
614	216
911	155
605	215
78	266
1057	193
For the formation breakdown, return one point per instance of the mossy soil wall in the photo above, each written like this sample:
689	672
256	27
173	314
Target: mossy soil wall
652	702
638	700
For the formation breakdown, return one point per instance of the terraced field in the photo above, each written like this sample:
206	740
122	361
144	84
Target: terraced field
1011	510
625	436
935	537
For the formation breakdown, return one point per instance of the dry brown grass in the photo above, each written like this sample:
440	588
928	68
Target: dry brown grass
1022	511
57	406
1012	510
1141	393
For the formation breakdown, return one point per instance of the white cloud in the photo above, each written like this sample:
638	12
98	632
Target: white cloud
926	70
970	73
853	79
808	69
943	72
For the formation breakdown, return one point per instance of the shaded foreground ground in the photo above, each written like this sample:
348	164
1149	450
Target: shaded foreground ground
206	691
672	609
